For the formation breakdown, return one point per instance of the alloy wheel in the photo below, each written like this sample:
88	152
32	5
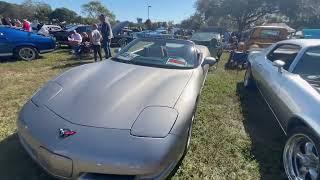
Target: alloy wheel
27	53
301	158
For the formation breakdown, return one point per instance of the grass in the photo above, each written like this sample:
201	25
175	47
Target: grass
234	135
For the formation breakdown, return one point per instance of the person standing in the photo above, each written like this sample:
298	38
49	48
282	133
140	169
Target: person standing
107	35
26	25
96	38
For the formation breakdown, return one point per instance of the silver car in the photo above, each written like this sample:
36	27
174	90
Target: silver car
128	117
287	75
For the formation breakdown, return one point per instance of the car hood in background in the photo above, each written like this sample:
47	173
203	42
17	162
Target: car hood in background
112	94
119	26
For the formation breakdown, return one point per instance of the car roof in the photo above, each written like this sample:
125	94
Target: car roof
270	27
303	42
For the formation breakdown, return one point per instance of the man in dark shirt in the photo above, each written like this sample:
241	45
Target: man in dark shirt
107	35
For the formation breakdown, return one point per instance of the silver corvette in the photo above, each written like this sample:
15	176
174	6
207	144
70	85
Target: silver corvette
129	117
288	76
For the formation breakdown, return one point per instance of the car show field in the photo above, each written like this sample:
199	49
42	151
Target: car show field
234	135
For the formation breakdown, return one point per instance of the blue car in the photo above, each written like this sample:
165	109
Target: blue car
22	44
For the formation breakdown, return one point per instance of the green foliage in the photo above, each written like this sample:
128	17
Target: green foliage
42	12
243	14
38	10
193	22
94	9
63	14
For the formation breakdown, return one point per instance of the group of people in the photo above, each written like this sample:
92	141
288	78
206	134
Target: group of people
25	24
100	36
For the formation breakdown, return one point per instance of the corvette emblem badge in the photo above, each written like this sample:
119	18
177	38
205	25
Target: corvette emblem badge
66	133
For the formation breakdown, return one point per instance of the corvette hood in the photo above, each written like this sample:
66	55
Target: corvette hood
112	94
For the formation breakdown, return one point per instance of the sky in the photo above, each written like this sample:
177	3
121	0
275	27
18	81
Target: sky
161	10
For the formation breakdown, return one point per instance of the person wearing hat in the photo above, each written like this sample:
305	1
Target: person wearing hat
107	35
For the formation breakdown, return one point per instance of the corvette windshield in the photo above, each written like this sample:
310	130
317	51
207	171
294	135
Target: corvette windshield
309	63
165	53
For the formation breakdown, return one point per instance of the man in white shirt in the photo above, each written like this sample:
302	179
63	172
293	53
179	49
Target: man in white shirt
75	40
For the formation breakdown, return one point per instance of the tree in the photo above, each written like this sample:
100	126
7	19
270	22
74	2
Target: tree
301	13
95	8
243	13
193	22
42	12
64	14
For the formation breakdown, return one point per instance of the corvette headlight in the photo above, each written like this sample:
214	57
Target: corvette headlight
46	93
154	122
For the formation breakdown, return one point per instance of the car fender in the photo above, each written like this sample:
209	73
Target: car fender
18	45
186	106
303	120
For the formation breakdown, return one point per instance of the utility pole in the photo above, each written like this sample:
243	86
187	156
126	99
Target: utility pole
149	11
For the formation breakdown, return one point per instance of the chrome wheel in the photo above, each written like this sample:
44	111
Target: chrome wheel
27	53
301	158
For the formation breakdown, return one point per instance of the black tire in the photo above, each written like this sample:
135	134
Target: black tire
301	154
26	53
248	81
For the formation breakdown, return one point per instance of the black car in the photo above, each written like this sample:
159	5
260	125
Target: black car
122	35
62	36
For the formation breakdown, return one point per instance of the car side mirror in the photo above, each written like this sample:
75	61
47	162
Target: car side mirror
117	50
279	64
209	61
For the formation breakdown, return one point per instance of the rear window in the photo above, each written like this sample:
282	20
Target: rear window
269	33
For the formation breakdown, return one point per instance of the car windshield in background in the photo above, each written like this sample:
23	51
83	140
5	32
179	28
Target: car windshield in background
204	36
270	33
163	53
309	63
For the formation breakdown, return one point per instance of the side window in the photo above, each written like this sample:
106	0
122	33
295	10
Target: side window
285	52
309	63
81	29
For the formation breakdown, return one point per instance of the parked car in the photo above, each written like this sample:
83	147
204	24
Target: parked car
287	75
121	35
62	36
22	44
264	36
311	33
140	129
211	40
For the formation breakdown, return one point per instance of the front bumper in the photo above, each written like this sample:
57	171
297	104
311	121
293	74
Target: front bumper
95	150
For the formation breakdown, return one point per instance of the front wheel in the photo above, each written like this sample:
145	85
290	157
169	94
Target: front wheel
301	155
27	53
